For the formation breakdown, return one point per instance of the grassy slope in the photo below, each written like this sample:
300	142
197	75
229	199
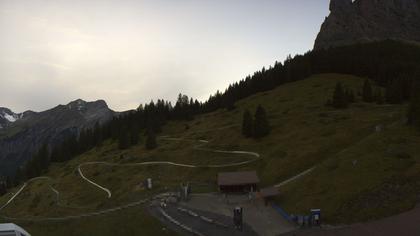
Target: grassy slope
304	133
376	177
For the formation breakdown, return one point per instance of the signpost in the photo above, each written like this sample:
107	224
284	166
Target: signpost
237	218
316	217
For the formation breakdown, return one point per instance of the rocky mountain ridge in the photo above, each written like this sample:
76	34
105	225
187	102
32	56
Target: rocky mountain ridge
22	134
7	117
362	21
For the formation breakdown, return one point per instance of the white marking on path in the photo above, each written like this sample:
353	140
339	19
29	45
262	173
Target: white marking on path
295	177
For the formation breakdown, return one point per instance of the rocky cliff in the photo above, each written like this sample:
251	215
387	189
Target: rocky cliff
22	134
363	21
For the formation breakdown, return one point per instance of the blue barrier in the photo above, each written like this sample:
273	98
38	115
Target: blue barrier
281	212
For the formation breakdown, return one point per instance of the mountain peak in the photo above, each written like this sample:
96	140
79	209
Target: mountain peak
340	5
7	116
82	105
363	21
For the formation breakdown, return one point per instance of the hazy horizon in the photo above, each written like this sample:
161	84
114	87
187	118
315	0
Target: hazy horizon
129	52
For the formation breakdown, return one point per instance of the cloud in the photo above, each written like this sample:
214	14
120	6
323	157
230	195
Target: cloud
129	52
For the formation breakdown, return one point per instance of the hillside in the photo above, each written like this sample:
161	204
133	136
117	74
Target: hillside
20	139
350	157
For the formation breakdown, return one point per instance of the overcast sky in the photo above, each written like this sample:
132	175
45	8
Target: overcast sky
129	52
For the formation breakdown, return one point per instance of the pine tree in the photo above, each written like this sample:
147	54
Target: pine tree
350	98
339	98
151	139
367	93
3	189
97	134
379	98
43	157
247	124
19	176
124	139
9	182
414	108
394	92
261	125
134	135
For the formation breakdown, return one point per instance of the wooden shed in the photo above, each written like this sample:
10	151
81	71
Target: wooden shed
238	182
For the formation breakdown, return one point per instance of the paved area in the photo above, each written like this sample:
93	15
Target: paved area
222	227
263	219
407	224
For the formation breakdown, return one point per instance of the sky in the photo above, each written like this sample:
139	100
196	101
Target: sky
129	52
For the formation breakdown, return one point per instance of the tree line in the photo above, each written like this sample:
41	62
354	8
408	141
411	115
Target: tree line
395	94
390	64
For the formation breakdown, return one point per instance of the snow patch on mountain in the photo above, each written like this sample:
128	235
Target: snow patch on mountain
10	118
7	116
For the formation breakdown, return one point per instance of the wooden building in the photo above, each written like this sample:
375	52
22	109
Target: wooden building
238	182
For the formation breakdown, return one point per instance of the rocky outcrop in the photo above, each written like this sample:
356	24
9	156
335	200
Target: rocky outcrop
22	134
364	21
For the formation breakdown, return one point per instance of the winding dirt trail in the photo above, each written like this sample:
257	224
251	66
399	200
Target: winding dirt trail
295	177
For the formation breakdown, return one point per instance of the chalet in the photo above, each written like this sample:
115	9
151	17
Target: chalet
238	182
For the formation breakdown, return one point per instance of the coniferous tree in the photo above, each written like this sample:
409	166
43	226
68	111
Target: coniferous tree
367	93
3	188
261	125
43	157
151	139
97	135
350	98
394	92
247	124
339	98
56	154
134	135
124	139
38	164
19	176
414	107
9	182
379	98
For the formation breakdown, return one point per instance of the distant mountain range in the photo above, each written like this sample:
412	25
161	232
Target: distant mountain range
22	134
363	21
8	117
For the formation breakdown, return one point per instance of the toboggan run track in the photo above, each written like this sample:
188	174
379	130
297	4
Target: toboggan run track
256	156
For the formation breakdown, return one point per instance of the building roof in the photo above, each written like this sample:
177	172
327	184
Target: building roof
237	178
269	192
